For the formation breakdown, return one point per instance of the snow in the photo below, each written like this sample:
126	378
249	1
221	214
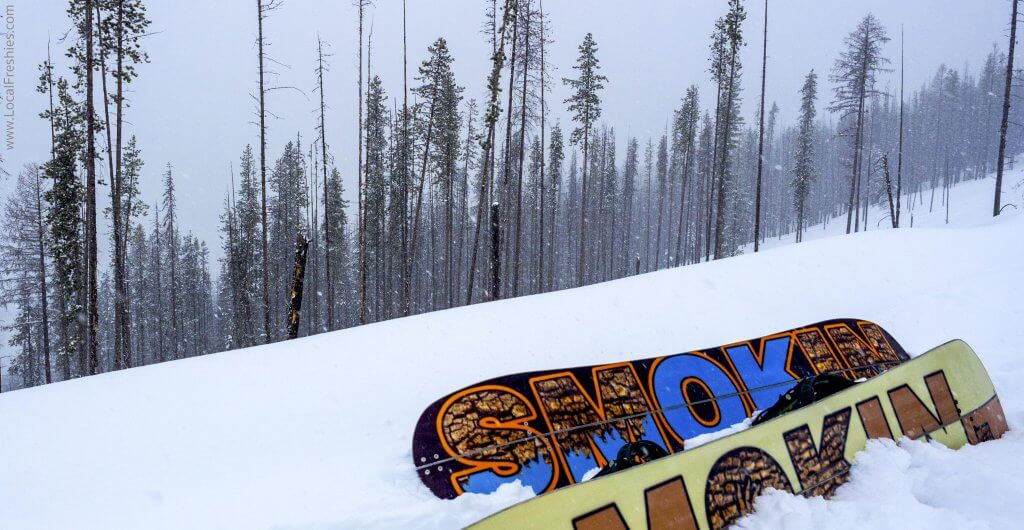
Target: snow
590	474
707	438
316	433
913	484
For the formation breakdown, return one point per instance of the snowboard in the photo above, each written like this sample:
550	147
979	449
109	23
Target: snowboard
549	429
944	395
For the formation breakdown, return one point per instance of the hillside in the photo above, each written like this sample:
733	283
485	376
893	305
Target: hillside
316	433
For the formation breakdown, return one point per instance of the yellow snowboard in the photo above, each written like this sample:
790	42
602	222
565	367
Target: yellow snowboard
945	395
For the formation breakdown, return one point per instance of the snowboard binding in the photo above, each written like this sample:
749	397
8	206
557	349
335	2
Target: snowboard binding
805	392
633	454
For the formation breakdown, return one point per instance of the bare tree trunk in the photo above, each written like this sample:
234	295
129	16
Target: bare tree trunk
49	90
899	156
688	154
481	205
1000	162
491	118
90	201
464	202
450	229
327	207
583	206
159	283
709	198
650	207
543	190
362	192
263	181
799	222
122	331
712	179
295	298
888	190
53	148
419	199
553	256
506	186
172	241
406	302
121	233
760	139
516	257
864	184
115	198
661	215
857	140
495	252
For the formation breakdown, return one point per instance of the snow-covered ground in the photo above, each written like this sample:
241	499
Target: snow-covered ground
970	206
316	433
913	485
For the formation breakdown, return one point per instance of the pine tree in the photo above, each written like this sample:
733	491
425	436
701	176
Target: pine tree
611	197
172	239
573	202
726	69
375	194
706	169
25	363
140	294
534	192
708	164
556	156
803	172
65	199
854	76
24	267
685	140
249	252
649	207
338	228
585	104
228	308
130	207
629	176
470	165
82	51
287	213
662	168
438	86
121	24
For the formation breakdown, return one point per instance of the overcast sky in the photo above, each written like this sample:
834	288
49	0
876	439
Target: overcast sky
192	105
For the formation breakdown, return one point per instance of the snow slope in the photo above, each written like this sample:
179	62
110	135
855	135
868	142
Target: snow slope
316	433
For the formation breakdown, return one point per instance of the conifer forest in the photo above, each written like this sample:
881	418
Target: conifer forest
458	196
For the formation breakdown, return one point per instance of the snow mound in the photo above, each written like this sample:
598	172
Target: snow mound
912	484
